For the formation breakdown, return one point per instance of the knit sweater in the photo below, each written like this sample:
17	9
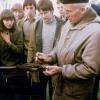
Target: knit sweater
48	34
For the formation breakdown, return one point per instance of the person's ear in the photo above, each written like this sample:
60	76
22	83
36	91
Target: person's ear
83	10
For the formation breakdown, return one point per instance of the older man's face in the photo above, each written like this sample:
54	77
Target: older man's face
74	12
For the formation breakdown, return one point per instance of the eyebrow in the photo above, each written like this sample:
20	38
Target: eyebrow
68	10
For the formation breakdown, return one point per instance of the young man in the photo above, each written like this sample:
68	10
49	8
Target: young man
27	27
18	12
61	11
27	23
47	33
77	53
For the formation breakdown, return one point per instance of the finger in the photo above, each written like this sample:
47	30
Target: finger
36	58
45	73
48	72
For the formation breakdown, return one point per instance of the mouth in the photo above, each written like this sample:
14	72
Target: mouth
9	26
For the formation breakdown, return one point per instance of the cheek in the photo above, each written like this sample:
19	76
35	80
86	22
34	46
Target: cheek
4	23
49	15
74	16
45	16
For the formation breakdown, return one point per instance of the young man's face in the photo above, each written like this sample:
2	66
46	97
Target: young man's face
47	16
29	10
8	23
18	14
74	13
61	9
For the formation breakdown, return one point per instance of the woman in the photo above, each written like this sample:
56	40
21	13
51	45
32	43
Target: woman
11	51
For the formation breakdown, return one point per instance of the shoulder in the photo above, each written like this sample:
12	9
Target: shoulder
58	20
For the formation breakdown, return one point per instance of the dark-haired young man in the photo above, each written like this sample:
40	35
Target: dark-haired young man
47	33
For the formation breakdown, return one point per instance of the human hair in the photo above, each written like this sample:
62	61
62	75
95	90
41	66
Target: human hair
45	5
17	7
7	14
58	2
29	2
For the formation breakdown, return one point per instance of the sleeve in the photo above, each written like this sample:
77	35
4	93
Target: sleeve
90	57
17	43
32	46
52	56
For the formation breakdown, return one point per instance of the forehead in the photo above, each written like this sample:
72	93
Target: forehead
71	6
8	19
45	11
60	4
28	6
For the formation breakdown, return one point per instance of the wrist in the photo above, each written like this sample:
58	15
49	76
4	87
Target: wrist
9	43
60	69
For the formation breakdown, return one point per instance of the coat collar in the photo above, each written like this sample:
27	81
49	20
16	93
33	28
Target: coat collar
30	20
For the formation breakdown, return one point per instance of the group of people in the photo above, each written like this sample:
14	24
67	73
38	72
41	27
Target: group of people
66	46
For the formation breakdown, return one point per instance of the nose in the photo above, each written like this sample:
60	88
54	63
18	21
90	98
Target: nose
67	15
9	21
17	13
43	15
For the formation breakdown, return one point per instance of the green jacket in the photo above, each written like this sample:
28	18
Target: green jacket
11	54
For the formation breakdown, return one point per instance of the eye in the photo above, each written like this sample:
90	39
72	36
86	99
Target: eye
69	11
31	8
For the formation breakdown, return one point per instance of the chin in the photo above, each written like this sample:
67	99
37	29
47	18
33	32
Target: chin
9	27
46	22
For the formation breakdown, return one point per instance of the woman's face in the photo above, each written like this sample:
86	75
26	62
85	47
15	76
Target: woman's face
8	23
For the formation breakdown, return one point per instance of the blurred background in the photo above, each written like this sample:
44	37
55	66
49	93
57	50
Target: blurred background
8	4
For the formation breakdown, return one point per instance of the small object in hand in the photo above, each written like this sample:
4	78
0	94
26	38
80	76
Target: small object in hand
42	68
36	59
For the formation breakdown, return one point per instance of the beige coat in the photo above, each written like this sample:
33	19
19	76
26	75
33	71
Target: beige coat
78	52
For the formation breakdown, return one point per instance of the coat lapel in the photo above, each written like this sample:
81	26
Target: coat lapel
38	33
64	34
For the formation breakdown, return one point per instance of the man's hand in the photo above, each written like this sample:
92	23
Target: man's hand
6	37
52	70
41	57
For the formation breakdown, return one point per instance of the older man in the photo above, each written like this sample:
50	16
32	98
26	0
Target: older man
77	53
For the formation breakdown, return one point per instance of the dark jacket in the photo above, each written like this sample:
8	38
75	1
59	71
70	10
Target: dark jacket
11	54
38	32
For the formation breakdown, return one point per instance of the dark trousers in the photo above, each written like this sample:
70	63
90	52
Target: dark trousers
39	90
96	88
15	88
